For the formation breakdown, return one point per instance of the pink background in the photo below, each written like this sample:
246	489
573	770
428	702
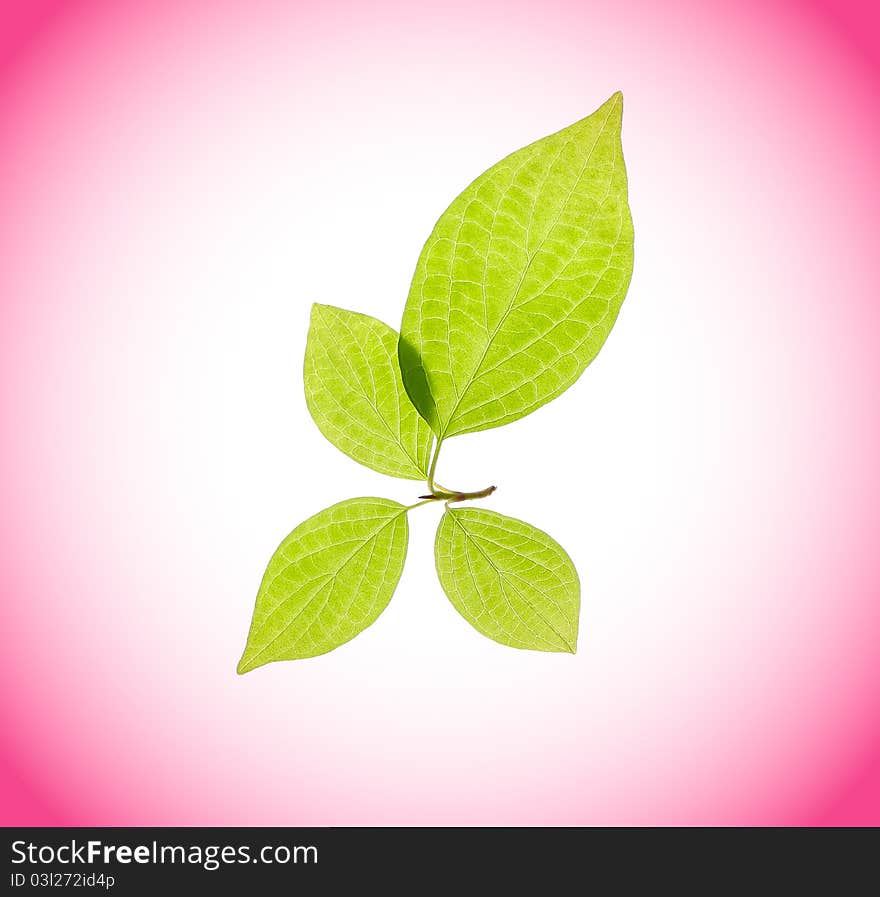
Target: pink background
180	180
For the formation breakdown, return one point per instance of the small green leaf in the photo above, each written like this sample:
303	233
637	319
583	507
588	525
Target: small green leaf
508	579
356	397
328	580
521	280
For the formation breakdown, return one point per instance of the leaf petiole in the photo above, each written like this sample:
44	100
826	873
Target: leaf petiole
433	466
436	492
418	504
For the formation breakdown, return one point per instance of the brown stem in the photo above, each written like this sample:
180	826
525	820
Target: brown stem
443	495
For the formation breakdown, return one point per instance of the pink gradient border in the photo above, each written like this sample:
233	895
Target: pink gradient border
852	27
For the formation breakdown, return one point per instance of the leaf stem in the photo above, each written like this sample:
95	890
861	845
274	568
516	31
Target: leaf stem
433	466
448	495
418	504
436	492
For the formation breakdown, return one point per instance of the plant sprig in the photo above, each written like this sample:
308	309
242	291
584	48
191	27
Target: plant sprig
514	294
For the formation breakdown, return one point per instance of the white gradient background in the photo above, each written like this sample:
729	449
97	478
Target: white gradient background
180	181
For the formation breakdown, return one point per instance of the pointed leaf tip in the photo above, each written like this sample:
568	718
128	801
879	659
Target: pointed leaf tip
616	103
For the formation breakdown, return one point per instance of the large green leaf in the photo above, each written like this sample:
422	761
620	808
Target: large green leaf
355	394
521	280
508	579
328	580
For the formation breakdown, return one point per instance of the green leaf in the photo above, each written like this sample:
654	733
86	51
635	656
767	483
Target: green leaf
508	579
521	280
356	397
328	580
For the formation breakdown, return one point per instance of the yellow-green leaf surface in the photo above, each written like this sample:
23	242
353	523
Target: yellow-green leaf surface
508	579
328	580
521	280
356	397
